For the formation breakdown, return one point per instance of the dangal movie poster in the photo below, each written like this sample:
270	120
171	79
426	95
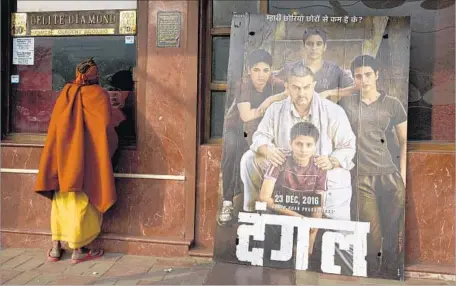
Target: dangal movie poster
314	144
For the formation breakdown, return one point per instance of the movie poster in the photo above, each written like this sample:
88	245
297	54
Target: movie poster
314	144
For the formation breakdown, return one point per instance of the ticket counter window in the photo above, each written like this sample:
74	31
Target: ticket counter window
36	85
43	41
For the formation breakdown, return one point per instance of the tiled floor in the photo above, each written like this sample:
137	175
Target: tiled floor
28	266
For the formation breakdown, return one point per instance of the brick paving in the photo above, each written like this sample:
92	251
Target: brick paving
29	267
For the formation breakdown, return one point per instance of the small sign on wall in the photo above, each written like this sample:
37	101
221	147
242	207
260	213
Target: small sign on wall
168	29
19	24
23	51
129	40
15	78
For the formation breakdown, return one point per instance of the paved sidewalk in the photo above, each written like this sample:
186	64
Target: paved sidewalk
29	266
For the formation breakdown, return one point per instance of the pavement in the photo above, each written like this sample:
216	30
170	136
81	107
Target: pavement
29	267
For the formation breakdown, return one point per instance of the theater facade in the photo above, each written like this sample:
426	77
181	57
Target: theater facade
167	64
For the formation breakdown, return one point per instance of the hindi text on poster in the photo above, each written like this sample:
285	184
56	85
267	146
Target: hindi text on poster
254	226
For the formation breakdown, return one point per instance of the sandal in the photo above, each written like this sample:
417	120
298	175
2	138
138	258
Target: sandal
51	258
91	255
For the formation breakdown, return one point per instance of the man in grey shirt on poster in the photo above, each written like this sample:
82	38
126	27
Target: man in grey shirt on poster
335	148
332	81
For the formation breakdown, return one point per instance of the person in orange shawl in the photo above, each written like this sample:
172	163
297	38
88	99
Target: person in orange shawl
75	169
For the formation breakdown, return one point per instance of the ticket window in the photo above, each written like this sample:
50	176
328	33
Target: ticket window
42	65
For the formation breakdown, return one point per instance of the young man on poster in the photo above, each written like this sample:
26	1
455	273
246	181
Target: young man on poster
296	189
335	148
331	80
252	97
379	186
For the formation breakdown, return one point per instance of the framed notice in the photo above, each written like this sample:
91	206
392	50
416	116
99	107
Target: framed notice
23	51
168	29
313	162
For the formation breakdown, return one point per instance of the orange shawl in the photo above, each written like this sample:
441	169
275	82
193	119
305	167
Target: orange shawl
79	146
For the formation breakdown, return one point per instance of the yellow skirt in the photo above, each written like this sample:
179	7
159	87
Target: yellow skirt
74	219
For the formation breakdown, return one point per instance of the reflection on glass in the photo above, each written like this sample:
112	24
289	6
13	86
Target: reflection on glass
220	53
223	10
217	113
110	53
432	55
55	61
